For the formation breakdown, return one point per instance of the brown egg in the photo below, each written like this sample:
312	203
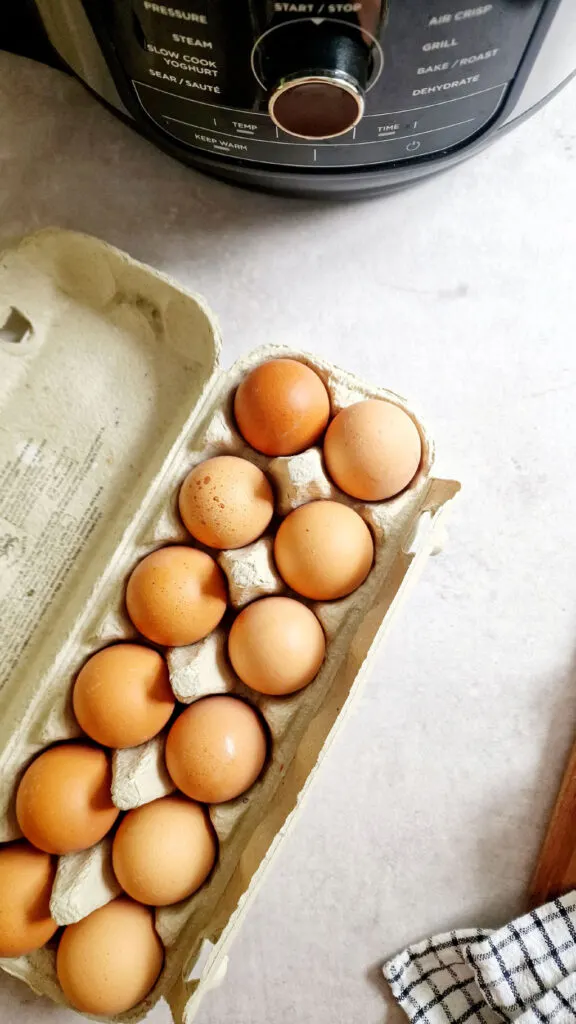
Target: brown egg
276	645
324	550
372	450
281	407
176	596
216	749
110	961
122	696
26	880
164	851
226	502
63	803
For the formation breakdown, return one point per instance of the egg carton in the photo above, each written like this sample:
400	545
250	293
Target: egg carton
89	478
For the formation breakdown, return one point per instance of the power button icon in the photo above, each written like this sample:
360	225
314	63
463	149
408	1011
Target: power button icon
413	146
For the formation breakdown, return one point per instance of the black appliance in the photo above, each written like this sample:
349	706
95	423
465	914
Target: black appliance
315	98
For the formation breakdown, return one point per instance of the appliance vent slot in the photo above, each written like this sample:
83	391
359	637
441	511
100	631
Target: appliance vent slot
139	33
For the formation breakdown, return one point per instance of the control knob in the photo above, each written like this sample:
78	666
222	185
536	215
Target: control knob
317	75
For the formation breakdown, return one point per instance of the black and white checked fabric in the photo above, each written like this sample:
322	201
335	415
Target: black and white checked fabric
524	972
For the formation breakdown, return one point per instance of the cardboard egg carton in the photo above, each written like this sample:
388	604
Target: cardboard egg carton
104	461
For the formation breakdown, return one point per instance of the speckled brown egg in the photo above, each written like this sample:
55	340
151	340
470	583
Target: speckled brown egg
176	596
26	880
216	749
281	407
372	450
63	803
324	550
276	645
122	696
164	851
226	502
110	961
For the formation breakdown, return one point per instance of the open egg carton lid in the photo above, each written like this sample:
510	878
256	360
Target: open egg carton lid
109	375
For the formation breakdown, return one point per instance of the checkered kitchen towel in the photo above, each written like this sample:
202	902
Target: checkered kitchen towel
525	972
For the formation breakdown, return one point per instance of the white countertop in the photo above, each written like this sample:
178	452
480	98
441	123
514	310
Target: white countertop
460	293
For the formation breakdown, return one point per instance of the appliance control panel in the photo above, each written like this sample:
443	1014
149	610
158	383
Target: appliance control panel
321	84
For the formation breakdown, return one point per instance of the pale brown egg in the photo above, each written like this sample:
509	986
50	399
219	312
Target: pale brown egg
216	749
226	502
164	851
110	961
26	880
372	450
324	550
276	645
63	803
176	596
122	695
281	407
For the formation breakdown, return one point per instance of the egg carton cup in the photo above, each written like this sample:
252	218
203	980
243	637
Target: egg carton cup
139	774
84	882
89	481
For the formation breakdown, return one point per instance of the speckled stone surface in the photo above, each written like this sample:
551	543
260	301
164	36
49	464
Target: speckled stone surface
430	809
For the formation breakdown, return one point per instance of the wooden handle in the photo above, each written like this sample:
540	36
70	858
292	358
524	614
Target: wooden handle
556	870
